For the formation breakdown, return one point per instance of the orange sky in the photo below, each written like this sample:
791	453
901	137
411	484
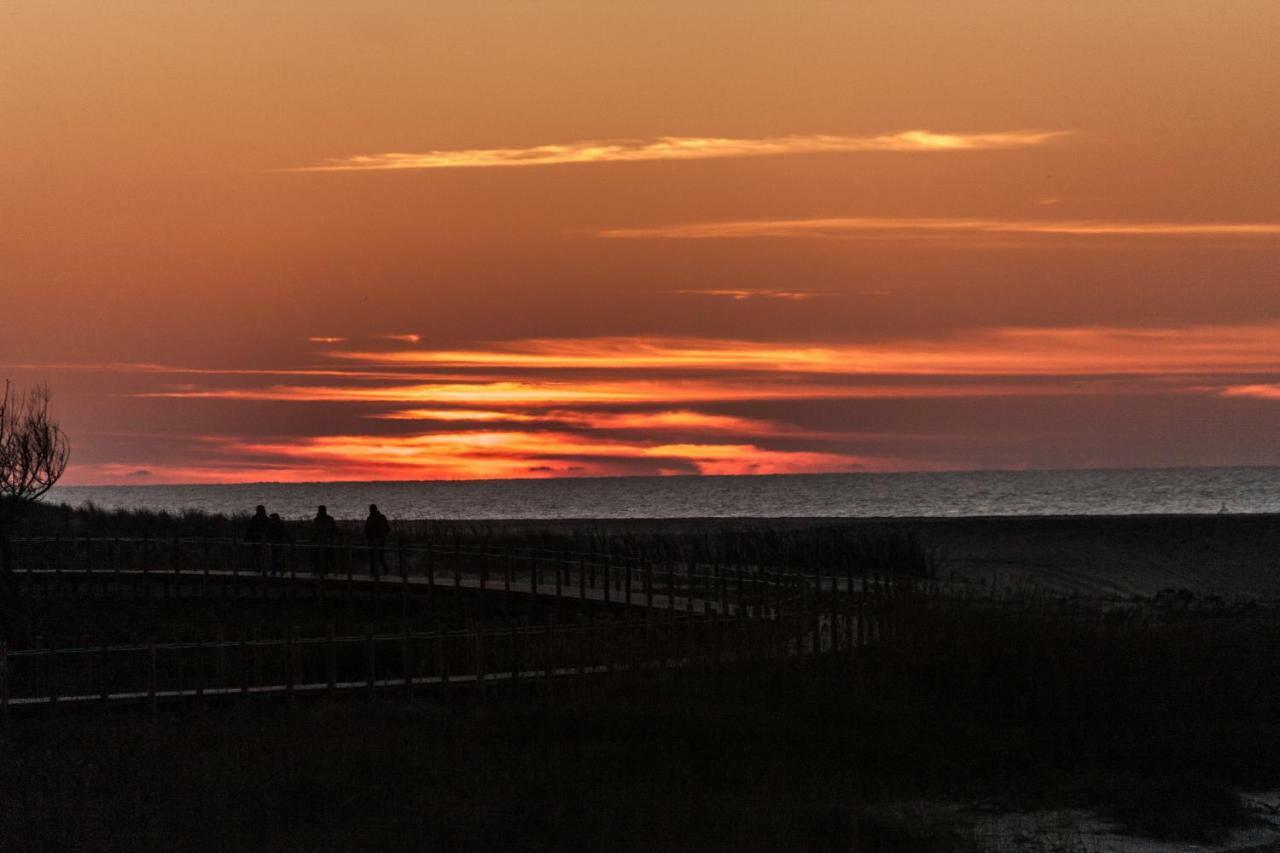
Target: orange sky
336	240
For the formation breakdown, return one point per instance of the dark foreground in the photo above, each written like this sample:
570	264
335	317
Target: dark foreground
1156	723
1154	711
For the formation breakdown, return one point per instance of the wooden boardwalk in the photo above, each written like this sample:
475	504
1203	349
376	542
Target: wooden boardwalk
635	620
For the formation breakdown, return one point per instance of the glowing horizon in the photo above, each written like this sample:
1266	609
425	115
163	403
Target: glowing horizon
563	239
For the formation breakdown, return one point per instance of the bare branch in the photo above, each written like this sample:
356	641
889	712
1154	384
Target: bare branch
33	448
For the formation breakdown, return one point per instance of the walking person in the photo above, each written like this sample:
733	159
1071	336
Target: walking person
256	536
376	531
278	539
324	538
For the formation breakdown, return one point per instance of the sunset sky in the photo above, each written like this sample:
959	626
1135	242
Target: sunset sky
421	240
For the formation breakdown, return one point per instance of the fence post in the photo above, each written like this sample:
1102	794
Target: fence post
331	660
515	656
243	648
371	663
608	593
4	680
484	578
199	650
115	566
582	580
479	640
457	574
741	607
548	659
406	660
431	574
57	563
442	651
404	576
628	581
104	685
174	552
222	659
151	681
288	662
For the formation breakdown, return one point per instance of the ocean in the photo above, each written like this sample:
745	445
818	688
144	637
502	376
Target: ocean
958	493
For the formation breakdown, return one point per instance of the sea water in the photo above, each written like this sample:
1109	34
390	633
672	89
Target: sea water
958	493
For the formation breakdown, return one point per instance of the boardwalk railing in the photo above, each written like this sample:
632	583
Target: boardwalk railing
121	564
414	663
647	621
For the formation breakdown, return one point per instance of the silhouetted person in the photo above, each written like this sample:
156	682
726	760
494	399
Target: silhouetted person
258	525
324	536
376	531
279	539
256	536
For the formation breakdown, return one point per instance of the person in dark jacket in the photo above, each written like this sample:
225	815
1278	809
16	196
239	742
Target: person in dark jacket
257	530
376	531
256	536
324	538
278	539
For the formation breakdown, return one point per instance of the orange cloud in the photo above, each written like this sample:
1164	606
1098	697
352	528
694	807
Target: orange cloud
452	415
636	392
1013	351
836	228
538	414
738	295
497	454
673	420
684	148
1258	392
402	338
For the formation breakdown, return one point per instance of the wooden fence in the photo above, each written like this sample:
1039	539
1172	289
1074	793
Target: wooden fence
646	621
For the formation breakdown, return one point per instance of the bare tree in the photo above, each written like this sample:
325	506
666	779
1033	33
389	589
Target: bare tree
33	454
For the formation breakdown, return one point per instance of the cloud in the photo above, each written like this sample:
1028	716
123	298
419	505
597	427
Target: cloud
639	392
738	295
499	454
1003	351
402	338
853	227
325	339
1257	392
683	148
679	420
639	404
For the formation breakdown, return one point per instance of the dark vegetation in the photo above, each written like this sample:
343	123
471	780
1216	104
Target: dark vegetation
1155	723
1155	715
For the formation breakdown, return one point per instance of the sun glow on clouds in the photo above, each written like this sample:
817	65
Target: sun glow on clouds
498	454
739	295
639	405
1256	392
677	420
986	352
684	148
848	227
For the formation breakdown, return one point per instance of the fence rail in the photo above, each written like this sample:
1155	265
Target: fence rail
647	620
